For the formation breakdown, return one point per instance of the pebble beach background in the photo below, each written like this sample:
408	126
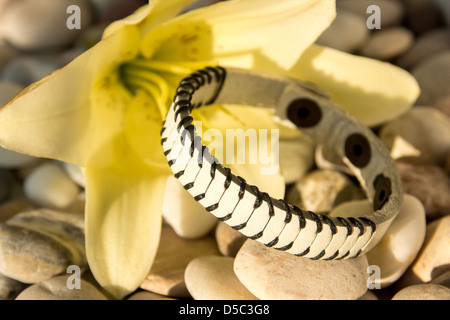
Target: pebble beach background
42	201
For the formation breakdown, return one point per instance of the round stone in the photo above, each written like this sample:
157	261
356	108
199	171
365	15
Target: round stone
147	295
213	278
348	32
401	242
297	158
166	276
433	76
229	240
423	292
274	275
389	43
36	25
37	245
58	289
420	136
49	186
10	288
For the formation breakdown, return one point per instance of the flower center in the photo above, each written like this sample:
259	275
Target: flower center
157	78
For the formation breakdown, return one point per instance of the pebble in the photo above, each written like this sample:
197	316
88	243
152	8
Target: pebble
433	77
10	288
443	105
420	136
115	10
49	186
387	44
427	45
7	182
401	242
186	216
444	8
430	184
392	11
75	173
422	15
434	258
348	32
423	292
12	207
325	158
6	52
37	25
229	240
56	289
166	276
27	69
37	245
443	279
275	275
213	278
297	158
321	190
147	295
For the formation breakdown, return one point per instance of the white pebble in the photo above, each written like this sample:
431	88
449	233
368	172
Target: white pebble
49	186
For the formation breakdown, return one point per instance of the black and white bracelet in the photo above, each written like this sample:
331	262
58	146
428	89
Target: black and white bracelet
254	213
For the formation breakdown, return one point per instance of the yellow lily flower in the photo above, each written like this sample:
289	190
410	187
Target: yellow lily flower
103	112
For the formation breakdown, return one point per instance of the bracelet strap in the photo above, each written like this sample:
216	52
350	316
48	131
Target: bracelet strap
254	213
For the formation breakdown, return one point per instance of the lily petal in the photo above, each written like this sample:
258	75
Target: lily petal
54	117
230	32
373	91
123	223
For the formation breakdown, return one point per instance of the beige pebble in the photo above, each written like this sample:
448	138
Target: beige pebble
420	136
422	15
37	245
321	190
392	11
275	275
187	217
147	295
166	276
430	184
35	25
443	279
57	289
213	278
348	32
389	43
433	77
10	288
369	295
434	257
229	241
426	45
401	242
297	157
49	186
423	292
443	105
12	207
75	173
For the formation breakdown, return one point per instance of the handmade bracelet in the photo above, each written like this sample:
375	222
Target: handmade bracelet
254	213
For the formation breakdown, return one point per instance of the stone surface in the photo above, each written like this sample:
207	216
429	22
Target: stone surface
10	288
348	32
7	183
433	76
213	278
12	207
36	25
147	295
75	173
166	276
443	105
387	44
321	190
434	257
37	245
49	186
56	289
401	242
26	69
422	15
229	241
443	279
420	136
430	184
423	292
392	11
426	45
185	215
271	274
